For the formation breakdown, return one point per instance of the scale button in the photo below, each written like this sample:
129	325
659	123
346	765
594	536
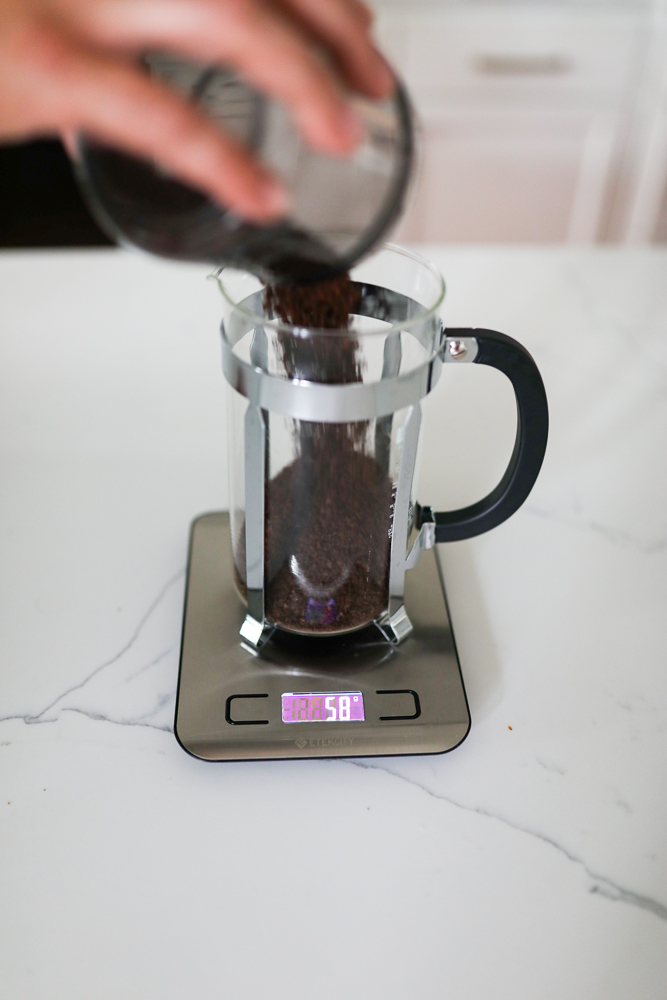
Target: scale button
246	710
401	703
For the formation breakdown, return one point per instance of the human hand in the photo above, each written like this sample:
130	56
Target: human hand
71	65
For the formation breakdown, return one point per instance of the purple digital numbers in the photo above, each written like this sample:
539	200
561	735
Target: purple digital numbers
323	706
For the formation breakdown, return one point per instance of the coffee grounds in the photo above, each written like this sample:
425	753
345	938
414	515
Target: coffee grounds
328	513
321	305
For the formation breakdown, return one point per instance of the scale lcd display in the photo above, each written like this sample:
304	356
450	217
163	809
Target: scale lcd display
323	706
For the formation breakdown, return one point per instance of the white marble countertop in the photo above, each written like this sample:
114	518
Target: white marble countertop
529	864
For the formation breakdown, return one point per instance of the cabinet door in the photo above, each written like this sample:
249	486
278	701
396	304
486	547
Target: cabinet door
647	208
511	177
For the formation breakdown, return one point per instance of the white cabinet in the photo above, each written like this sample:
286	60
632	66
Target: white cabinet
518	50
524	114
511	176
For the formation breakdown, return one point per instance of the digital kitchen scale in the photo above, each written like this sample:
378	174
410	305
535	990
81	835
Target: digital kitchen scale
354	695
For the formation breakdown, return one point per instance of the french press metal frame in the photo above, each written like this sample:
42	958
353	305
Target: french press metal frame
325	403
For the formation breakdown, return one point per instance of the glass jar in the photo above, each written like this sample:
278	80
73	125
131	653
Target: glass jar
339	206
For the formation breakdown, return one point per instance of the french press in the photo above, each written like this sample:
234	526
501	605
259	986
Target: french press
324	440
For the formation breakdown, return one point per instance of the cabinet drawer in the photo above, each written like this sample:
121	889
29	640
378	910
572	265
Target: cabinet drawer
514	50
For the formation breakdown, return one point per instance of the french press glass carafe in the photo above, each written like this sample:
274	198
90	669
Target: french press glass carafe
324	432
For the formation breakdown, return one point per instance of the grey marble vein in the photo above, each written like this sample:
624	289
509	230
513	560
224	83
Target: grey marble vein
622	539
128	645
58	705
601	886
98	717
153	663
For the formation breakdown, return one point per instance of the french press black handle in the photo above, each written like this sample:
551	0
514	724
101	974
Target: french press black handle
499	351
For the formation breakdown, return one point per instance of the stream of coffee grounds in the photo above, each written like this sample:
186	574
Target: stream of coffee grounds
327	513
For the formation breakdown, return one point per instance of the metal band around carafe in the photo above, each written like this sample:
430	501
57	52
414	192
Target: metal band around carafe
328	404
314	401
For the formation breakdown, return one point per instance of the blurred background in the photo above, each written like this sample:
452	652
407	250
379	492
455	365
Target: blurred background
541	122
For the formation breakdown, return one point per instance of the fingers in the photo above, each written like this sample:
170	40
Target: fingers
263	42
68	139
117	104
344	27
364	12
270	53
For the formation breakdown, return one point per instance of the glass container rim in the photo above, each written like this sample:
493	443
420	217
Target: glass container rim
306	331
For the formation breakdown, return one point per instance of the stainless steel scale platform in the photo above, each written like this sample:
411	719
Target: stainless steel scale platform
229	695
